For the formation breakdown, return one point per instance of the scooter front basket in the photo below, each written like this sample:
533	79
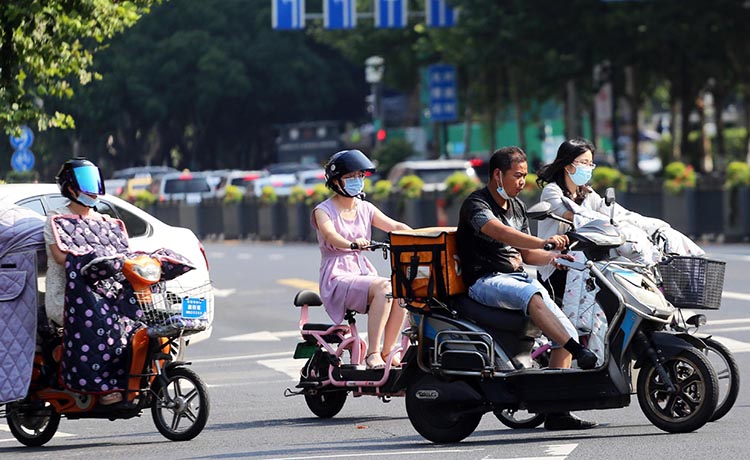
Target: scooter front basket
176	311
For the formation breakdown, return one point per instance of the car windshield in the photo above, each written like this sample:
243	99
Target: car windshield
192	185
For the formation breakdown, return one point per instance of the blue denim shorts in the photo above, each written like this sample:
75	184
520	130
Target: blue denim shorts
514	291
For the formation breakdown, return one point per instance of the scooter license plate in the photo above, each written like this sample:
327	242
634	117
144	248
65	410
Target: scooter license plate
194	307
304	350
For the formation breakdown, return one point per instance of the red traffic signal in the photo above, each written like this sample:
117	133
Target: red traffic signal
381	135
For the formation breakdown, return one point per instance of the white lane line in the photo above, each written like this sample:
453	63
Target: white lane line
713	322
240	357
59	434
261	336
552	452
382	454
245	256
288	366
224	292
727	329
735	295
734	345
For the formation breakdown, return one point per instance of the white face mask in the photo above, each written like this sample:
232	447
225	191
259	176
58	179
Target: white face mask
87	200
501	191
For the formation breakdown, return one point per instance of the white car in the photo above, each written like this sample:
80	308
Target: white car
146	233
432	172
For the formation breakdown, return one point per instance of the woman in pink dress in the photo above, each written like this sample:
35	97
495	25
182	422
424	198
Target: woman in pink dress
348	281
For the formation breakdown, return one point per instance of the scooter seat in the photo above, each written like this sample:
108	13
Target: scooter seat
497	318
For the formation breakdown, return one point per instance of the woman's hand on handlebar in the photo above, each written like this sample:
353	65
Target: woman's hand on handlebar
558	242
359	243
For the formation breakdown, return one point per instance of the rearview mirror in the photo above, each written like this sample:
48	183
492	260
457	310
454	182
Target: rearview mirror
539	211
609	196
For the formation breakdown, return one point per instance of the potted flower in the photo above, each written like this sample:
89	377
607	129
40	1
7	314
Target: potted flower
737	201
679	203
605	177
231	212
271	214
298	214
458	186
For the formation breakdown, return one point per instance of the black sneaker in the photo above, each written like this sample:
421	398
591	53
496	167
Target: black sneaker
586	359
567	422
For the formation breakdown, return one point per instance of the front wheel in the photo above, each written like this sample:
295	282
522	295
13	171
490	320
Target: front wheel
728	374
439	422
180	407
32	425
692	402
519	419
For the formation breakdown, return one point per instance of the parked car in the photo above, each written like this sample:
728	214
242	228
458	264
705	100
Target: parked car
188	186
289	167
146	232
115	187
309	179
432	172
281	183
242	179
129	173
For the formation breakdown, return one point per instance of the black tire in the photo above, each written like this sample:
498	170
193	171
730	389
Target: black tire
519	419
32	426
439	423
728	373
325	404
188	402
694	402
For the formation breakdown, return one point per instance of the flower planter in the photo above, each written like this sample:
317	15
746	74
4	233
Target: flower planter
389	207
737	214
709	205
231	216
420	212
210	218
644	197
298	222
680	211
249	218
271	221
189	217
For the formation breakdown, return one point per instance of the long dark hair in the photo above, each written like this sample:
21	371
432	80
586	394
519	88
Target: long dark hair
555	171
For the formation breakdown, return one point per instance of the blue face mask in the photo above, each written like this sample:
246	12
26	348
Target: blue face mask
501	191
582	175
354	185
87	200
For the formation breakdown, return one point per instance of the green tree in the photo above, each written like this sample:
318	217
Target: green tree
45	44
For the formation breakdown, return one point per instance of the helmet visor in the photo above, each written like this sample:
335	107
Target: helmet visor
89	179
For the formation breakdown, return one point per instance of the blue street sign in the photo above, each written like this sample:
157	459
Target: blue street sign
24	140
339	14
288	14
391	14
440	14
443	97
22	160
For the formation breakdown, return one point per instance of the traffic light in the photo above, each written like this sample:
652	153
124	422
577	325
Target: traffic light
381	135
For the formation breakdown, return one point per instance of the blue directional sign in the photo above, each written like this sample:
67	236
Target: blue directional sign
443	98
24	140
440	14
339	14
288	14
391	14
22	160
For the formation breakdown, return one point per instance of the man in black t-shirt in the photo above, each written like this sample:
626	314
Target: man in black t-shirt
494	243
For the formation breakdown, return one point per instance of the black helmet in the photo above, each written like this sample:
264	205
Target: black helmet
82	176
344	162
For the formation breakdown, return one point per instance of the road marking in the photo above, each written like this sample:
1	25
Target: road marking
735	295
713	322
240	357
59	434
262	336
245	255
552	452
299	283
288	366
735	346
383	454
224	292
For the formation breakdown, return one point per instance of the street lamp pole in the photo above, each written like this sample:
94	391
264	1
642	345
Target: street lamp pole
374	69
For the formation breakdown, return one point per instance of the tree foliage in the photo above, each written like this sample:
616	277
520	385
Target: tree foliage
47	44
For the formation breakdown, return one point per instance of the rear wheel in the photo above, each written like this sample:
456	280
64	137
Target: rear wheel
728	374
519	419
439	422
692	402
325	404
32	425
181	406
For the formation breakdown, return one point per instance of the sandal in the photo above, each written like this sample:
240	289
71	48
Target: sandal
395	362
373	363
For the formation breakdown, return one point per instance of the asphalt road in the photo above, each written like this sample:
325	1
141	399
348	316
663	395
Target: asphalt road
248	363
